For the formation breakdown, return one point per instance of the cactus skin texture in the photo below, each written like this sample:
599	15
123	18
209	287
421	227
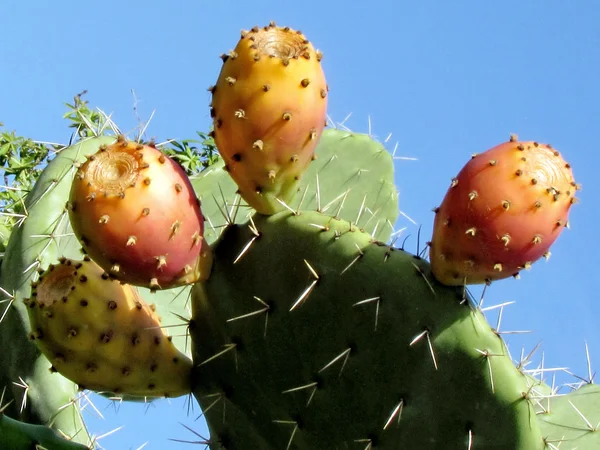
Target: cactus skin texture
16	435
319	337
269	110
570	421
102	335
135	213
501	213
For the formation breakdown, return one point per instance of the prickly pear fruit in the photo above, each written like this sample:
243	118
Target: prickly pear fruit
102	335
269	109
136	214
501	213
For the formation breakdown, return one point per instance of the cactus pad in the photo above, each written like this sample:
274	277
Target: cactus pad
315	323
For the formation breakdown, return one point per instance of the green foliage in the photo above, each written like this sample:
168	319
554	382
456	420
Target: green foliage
194	155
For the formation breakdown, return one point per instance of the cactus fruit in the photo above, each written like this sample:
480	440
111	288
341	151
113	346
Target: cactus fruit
501	213
269	109
135	213
318	337
102	335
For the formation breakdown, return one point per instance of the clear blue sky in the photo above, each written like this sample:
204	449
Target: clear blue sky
446	78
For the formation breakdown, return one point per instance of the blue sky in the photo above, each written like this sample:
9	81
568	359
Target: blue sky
446	79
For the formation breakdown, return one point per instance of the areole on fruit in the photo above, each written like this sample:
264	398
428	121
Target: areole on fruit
501	213
269	110
135	213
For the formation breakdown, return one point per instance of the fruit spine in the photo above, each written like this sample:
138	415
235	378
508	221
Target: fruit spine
269	109
501	213
135	213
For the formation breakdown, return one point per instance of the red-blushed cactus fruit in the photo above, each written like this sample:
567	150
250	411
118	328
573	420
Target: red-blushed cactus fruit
135	213
269	109
102	335
501	213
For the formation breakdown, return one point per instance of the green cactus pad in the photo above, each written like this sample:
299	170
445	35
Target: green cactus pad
16	435
311	335
571	421
352	178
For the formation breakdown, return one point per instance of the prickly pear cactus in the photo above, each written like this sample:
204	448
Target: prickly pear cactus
308	330
45	236
316	323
